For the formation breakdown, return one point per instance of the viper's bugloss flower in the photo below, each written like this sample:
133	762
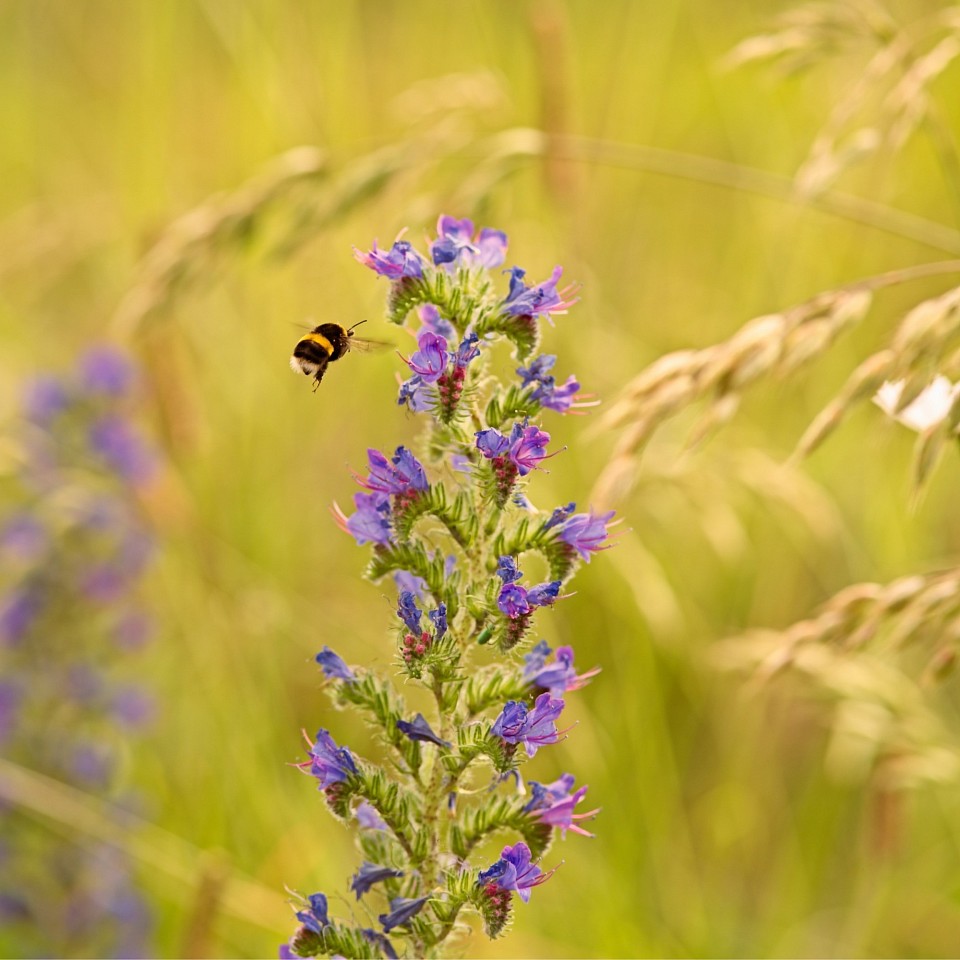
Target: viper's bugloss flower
458	244
558	677
328	762
371	523
420	730
515	871
553	804
369	874
379	941
438	618
405	580
334	668
541	300
121	447
525	447
408	611
434	323
368	818
105	370
430	358
560	399
315	917
467	351
402	910
507	570
559	515
586	532
401	474
401	260
515	600
533	728
538	371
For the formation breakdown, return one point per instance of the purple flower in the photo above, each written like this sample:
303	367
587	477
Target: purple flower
380	941
105	370
439	619
411	583
315	918
538	371
408	611
586	532
401	474
420	730
534	728
507	570
333	667
414	394
402	910
513	601
514	871
557	678
44	398
543	299
434	323
528	446
368	875
18	611
492	443
458	243
401	260
133	707
329	763
559	515
431	357
559	399
371	522
544	594
24	537
553	804
467	351
114	439
368	818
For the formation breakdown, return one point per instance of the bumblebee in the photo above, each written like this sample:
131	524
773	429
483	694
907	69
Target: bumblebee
321	346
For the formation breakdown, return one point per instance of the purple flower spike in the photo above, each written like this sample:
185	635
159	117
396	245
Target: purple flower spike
514	871
553	804
507	570
333	667
528	446
402	910
105	370
368	818
368	875
556	678
315	918
371	522
400	261
329	763
420	730
542	300
431	357
533	728
586	532
408	612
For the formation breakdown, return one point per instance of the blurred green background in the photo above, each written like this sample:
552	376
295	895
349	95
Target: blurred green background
722	833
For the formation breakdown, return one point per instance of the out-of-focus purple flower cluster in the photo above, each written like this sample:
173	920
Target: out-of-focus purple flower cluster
74	546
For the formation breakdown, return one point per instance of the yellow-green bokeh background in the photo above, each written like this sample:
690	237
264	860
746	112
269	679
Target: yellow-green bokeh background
720	832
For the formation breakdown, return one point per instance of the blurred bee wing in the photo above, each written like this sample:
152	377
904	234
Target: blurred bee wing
366	346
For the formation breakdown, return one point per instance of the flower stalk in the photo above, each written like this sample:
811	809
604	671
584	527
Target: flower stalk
451	524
